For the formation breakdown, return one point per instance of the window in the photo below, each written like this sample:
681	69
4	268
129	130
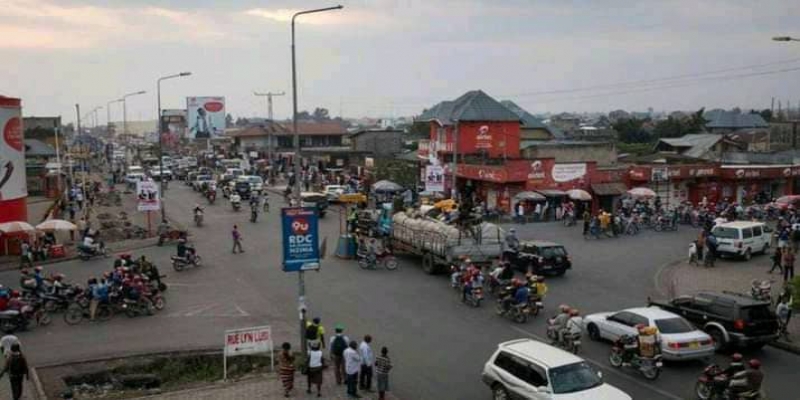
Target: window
574	378
747	233
637	319
726	233
756	313
757	231
623	317
674	325
721	309
533	375
553	252
521	369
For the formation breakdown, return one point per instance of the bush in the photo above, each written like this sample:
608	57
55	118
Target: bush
794	286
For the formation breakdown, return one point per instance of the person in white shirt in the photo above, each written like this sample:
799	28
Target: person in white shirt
352	364
315	364
537	211
6	342
367	363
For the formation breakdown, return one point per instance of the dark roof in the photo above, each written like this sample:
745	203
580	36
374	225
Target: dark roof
37	148
474	105
733	120
317	128
609	189
260	130
531	122
378	131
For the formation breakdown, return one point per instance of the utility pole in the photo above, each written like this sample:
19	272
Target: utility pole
453	190
269	96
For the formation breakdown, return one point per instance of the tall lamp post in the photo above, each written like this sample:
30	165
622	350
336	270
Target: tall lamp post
788	113
160	141
125	109
108	115
296	170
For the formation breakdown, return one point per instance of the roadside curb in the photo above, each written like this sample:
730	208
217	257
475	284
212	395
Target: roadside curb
37	384
200	350
664	278
137	246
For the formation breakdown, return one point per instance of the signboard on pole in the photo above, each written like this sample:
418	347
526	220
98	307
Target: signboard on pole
659	174
300	238
12	151
245	341
148	197
434	178
206	117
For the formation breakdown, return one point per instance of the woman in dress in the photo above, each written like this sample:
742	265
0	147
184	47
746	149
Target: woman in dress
315	364
286	369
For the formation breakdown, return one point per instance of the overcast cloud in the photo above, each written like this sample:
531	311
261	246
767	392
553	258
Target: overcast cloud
395	57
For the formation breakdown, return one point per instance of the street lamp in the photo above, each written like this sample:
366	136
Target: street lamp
108	115
158	132
785	39
125	109
296	169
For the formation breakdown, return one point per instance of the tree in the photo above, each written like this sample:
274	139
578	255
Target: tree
765	113
320	114
679	126
229	121
631	130
242	121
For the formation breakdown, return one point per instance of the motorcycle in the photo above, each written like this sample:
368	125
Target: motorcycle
79	310
21	315
385	259
59	302
253	213
650	367
134	308
761	290
86	253
211	196
236	202
714	384
570	342
198	218
516	312
664	224
191	259
474	297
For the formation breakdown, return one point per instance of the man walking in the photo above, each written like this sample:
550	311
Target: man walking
787	259
17	368
367	363
383	364
352	363
339	344
237	240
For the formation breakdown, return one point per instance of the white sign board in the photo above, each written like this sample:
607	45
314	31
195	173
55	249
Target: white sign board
206	117
148	197
239	342
434	178
568	172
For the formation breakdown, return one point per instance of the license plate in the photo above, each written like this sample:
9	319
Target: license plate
546	267
659	364
694	345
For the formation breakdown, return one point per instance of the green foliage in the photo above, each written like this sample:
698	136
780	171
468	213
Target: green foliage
398	171
794	285
636	149
765	113
631	130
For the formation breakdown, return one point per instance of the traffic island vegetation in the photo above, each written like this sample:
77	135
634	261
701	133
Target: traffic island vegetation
147	375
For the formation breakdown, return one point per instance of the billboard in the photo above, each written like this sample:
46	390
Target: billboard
148	198
434	178
173	128
300	238
12	151
206	117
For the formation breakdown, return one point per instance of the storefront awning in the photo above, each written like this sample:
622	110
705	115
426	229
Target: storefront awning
609	189
552	192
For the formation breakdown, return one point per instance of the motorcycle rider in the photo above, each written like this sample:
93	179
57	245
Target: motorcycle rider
574	325
265	201
458	271
197	211
512	243
236	200
735	366
163	231
748	380
559	322
253	209
473	281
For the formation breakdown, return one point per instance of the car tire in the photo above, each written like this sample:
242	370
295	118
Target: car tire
428	264
719	339
594	332
499	392
748	255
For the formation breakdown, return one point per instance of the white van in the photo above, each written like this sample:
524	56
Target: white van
742	238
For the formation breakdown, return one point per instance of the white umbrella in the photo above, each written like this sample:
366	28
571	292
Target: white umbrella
16	227
579	194
529	196
642	192
56	225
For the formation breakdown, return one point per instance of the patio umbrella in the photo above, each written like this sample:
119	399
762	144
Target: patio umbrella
641	192
16	227
386	186
529	196
579	194
56	225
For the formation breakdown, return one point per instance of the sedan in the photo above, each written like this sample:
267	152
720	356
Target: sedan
680	340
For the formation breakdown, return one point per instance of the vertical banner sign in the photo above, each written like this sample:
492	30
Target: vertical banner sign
300	239
12	151
434	178
206	117
148	197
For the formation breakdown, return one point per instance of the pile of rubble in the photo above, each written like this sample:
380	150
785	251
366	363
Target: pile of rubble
109	199
114	228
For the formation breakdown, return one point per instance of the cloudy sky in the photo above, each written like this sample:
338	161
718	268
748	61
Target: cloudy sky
394	57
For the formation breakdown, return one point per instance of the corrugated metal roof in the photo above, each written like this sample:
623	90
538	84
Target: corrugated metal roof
529	121
474	105
733	120
37	148
698	143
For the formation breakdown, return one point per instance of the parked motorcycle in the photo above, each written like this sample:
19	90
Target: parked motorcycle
21	315
761	290
650	367
85	252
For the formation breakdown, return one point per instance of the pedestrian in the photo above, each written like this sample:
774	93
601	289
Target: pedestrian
17	367
338	345
314	364
776	261
315	333
693	253
352	364
286	369
787	259
79	198
367	364
237	239
72	211
25	255
537	212
383	364
783	311
701	244
587	219
6	342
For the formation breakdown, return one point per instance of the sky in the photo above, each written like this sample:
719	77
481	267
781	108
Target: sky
385	58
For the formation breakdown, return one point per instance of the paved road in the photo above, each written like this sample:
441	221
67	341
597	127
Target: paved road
439	345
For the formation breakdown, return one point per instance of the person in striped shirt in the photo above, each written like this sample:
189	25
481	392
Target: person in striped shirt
382	366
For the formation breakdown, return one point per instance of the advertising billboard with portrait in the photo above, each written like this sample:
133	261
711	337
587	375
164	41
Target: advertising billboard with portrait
173	128
206	117
12	151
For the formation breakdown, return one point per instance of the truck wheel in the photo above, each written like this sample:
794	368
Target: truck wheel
427	264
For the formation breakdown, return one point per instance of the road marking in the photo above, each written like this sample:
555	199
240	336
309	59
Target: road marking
242	312
607	368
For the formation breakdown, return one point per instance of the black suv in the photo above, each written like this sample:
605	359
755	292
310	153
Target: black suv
541	257
731	319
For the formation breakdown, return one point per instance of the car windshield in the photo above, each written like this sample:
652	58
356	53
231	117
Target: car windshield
552	252
674	325
254	179
203	178
313	198
575	377
722	232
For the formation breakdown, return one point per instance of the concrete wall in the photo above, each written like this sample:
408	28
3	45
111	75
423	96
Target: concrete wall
381	143
605	154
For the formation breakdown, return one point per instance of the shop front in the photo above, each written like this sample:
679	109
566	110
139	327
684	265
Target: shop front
747	184
493	185
675	184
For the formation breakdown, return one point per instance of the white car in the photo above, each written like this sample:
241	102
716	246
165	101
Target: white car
201	180
742	238
135	169
527	369
680	340
334	192
133	177
256	183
